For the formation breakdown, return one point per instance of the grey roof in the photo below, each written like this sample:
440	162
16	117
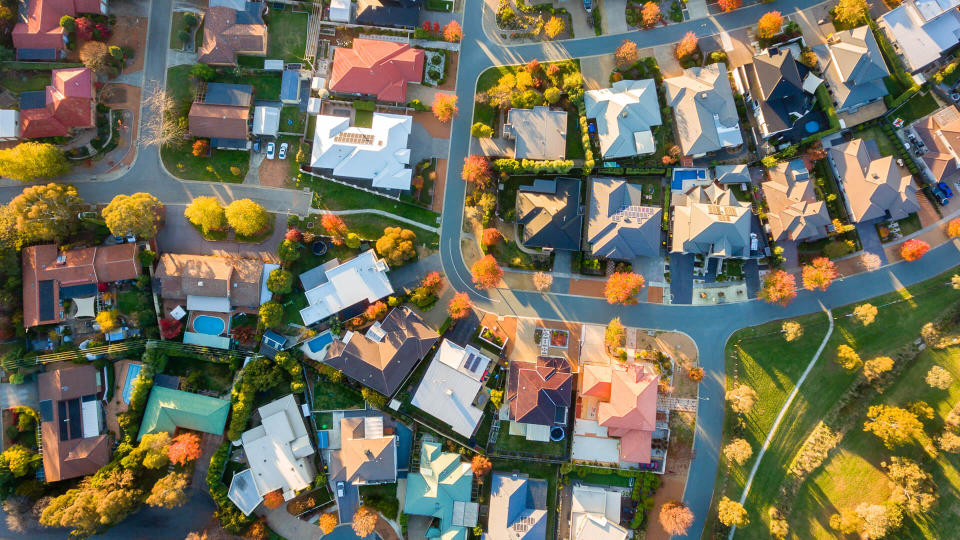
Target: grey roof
228	94
704	109
317	276
940	132
624	116
710	221
923	29
873	184
777	84
620	226
290	85
853	67
732	174
396	13
540	132
550	214
518	507
794	211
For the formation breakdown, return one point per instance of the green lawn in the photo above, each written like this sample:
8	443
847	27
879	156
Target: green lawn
265	85
292	304
876	133
25	82
334	196
132	302
255	62
176	25
382	497
507	253
292	120
363	118
439	5
371	226
574	138
512	443
918	106
327	396
200	375
287	33
544	471
228	166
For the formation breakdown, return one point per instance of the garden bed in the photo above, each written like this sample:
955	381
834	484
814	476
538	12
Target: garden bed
492	338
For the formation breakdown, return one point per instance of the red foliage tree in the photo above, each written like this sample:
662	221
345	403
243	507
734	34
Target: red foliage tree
436	27
476	169
201	147
779	287
426	26
729	5
486	272
445	107
459	306
335	227
103	33
490	237
914	249
432	282
687	45
623	287
84	29
532	66
273	499
184	448
452	32
294	235
243	334
375	311
170	328
819	274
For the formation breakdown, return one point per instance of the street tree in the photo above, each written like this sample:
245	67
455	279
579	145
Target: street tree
397	245
848	358
792	330
477	171
912	487
445	107
650	14
615	334
779	287
207	213
626	54
778	525
741	398
623	288
738	451
687	45
459	306
675	518
893	425
162	126
169	491
953	228
452	32
31	160
696	374
865	313
364	521
875	368
939	378
542	281
870	261
486	273
729	5
819	274
732	513
769	24
914	249
246	217
137	214
851	12
45	212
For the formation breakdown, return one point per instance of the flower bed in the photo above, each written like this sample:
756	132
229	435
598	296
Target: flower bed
559	338
491	338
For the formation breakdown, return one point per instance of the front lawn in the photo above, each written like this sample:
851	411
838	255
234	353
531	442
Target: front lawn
509	254
287	35
439	5
292	120
335	196
222	166
371	226
19	82
331	397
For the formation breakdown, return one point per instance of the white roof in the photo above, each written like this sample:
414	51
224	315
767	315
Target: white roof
923	29
219	304
273	65
206	340
265	294
85	306
243	492
178	312
9	124
266	121
362	278
378	153
90	411
314	104
278	450
450	385
340	11
624	115
595	514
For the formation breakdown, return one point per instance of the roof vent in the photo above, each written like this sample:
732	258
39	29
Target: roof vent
200	283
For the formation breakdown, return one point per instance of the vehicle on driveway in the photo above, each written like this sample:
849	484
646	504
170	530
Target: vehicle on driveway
945	189
271	149
283	151
340	489
588	5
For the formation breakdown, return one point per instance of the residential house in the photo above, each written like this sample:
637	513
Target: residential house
168	409
280	455
853	68
518	507
781	93
9	125
794	211
38	35
442	490
266	121
65	105
625	115
74	442
333	286
710	221
940	133
539	133
340	11
732	174
290	87
386	354
209	283
51	276
222	113
620	226
539	394
381	69
452	388
379	153
229	30
873	185
704	110
595	514
367	454
393	13
549	212
922	30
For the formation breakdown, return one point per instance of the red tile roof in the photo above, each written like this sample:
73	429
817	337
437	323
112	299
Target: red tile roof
75	456
631	412
69	101
536	390
41	30
224	38
373	67
211	120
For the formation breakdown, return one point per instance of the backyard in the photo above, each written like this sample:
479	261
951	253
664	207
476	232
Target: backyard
292	120
513	443
286	35
330	397
915	108
199	374
25	81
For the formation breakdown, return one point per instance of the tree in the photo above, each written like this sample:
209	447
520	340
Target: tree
201	147
687	45
184	448
293	235
374	398
875	368
626	54
288	251
273	499
779	287
542	281
397	245
432	282
912	487
445	107
792	330
335	227
623	288
865	313
553	27
452	32
845	522
68	23
675	518
490	237
459	306
939	378
851	12
769	24
170	328
476	170
327	522
20	460
953	228
280	281
246	217
271	314
731	513
96	56
848	358
108	320
819	274
696	374
877	520
364	521
893	425
552	95
169	491
914	249
84	28
650	13
481	466
729	5
486	273
375	311
615	334
950	442
137	214
45	212
779	528
741	398
870	261
481	130
163	126
31	160
207	213
738	451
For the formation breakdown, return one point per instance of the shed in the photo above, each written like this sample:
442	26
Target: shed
290	86
266	121
273	65
9	125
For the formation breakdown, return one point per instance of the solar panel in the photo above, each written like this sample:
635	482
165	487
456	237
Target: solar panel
46	410
472	362
350	137
64	431
76	419
45	294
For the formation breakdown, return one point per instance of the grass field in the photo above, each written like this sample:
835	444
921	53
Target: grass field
328	396
292	120
574	138
25	82
228	166
286	36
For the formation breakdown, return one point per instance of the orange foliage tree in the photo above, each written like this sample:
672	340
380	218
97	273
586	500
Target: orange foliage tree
914	249
375	311
769	24
364	521
184	448
490	237
819	274
432	282
687	45
650	13
729	5
273	499
476	170
486	272
200	147
327	522
335	227
452	32
623	287
953	228
445	107
459	306
481	465
779	287
626	54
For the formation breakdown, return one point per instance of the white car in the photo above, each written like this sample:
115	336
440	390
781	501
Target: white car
283	150
753	241
271	149
339	489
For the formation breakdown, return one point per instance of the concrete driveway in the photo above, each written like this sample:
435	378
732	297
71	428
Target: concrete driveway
614	20
870	240
423	145
596	71
179	236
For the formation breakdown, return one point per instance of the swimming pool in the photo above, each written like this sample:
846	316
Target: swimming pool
133	370
318	343
679	175
205	324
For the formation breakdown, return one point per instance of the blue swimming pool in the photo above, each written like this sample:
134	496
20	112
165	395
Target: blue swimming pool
679	175
132	371
318	343
205	324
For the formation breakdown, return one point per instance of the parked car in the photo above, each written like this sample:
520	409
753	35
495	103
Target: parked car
940	196
271	149
945	189
340	489
588	5
283	150
256	144
754	242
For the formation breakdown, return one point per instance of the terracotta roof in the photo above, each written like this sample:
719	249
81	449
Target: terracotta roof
539	392
69	104
227	33
373	67
204	275
940	132
596	381
227	121
40	28
364	458
630	412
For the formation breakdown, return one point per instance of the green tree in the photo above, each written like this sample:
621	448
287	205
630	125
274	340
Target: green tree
150	453
352	240
68	23
397	245
202	72
374	398
280	281
20	460
247	217
207	213
31	160
481	130
45	213
289	251
170	491
271	314
137	214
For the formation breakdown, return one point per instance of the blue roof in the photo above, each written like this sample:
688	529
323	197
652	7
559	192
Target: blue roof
274	339
78	291
219	142
290	85
36	54
323	440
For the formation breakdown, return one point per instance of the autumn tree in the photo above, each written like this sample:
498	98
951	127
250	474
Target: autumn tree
207	213
273	499
375	311
271	314
878	520
397	245
184	448
687	45
542	281
327	522
696	374
875	368
289	251
675	518
953	228
280	281
481	465
31	160
96	56
169	491
45	212
553	27
778	525
626	54
949	442
819	274
847	357
851	12
486	273
865	313
732	513
738	451
792	330
335	227
163	126
779	287
19	460
137	214
845	522
914	249
246	217
364	521
741	398
615	334
912	487
623	288
445	107
939	378
650	14
729	5
476	170
870	261
893	425
459	306
769	24
201	147
432	282
108	320
490	237
452	32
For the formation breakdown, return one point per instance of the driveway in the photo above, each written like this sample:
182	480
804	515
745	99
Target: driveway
423	145
596	71
410	275
681	278
870	240
179	236
462	332
349	503
614	16
751	275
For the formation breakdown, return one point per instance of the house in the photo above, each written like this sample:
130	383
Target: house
210	283
9	125
781	93
168	409
442	490
280	455
873	186
51	276
367	454
395	13
624	115
221	113
379	153
232	30
550	214
595	514
619	225
732	174
794	211
290	87
38	34
704	110
539	395
922	30
452	386
334	287
376	68
540	133
340	11
710	221
617	415
940	133
518	507
386	354
66	104
74	442
853	68
266	121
